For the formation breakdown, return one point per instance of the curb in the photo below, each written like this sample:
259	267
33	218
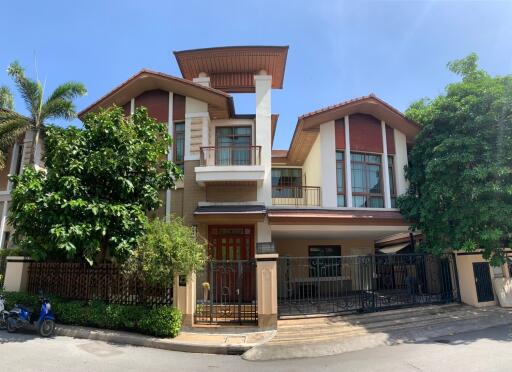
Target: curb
128	338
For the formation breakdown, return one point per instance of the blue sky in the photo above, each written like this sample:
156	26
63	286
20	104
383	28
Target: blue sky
338	49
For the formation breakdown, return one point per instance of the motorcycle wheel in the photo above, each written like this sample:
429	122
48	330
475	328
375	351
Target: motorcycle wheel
11	325
47	328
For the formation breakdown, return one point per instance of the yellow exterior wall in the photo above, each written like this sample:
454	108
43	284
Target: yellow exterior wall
312	168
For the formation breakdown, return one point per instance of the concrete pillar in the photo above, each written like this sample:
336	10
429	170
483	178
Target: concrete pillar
263	84
348	165
184	297
16	273
328	156
266	285
385	173
400	162
3	221
202	80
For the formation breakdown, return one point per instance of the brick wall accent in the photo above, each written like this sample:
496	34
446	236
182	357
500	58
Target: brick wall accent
231	193
193	192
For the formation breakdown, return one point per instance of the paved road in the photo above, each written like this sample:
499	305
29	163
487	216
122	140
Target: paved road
487	351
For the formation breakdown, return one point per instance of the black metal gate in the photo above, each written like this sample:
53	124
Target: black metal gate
483	282
228	293
336	284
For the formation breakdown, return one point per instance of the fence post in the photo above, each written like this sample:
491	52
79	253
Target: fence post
184	297
266	285
16	273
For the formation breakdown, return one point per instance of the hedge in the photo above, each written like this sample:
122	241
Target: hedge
162	321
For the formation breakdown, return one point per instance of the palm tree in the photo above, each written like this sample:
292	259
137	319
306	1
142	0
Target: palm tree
6	100
59	105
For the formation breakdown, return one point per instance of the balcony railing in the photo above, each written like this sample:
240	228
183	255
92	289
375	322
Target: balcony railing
296	196
230	155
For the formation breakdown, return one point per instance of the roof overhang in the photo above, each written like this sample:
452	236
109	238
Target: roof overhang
220	104
228	213
232	69
335	217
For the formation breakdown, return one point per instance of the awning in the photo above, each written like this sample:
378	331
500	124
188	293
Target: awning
230	213
393	248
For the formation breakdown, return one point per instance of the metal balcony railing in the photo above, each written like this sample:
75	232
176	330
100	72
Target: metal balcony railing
296	196
230	155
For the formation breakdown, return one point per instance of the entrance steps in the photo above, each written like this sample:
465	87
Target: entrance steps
337	334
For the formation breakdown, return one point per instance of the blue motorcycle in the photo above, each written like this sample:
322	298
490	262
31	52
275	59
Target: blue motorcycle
21	317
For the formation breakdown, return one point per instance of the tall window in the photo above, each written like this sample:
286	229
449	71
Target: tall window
179	144
367	189
392	186
233	145
340	178
286	183
19	159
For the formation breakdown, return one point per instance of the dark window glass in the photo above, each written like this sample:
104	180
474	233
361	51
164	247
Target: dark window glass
19	159
340	178
179	144
325	261
367	180
233	145
392	186
286	183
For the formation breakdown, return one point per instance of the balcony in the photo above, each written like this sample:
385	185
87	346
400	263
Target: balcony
230	164
296	196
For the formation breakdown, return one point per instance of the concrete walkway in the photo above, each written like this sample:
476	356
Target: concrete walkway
302	338
232	341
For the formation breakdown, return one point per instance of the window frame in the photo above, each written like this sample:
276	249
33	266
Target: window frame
232	153
343	171
179	163
277	190
392	180
366	163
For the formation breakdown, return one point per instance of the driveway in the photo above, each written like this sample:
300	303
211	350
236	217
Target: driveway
487	350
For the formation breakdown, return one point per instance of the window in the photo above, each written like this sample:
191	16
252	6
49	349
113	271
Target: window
325	260
392	187
340	178
233	145
179	144
367	180
19	159
286	183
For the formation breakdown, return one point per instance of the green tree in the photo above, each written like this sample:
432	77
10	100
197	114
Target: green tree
58	105
460	168
6	99
166	250
91	201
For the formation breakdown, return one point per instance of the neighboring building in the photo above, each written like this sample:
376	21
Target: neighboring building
18	157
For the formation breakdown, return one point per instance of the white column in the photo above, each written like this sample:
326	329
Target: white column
400	162
328	156
170	130
3	220
14	160
348	167
385	173
263	84
132	106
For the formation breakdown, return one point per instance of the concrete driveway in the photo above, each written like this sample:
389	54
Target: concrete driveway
487	350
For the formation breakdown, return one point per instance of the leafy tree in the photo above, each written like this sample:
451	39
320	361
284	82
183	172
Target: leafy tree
91	201
460	169
59	105
166	250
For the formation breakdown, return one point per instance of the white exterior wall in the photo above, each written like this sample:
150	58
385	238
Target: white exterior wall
195	111
263	136
328	164
312	168
400	162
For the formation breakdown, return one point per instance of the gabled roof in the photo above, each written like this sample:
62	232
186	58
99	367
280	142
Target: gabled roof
308	125
232	68
220	104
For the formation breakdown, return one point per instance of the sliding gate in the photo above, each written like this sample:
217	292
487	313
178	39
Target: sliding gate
337	284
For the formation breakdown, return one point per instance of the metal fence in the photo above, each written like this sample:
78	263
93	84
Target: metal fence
336	284
104	282
296	196
226	293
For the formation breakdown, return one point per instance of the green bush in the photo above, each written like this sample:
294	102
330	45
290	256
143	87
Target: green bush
164	321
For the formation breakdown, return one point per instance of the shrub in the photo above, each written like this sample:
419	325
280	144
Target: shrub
164	321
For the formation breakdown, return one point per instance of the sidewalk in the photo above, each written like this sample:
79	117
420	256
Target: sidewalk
315	337
202	341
